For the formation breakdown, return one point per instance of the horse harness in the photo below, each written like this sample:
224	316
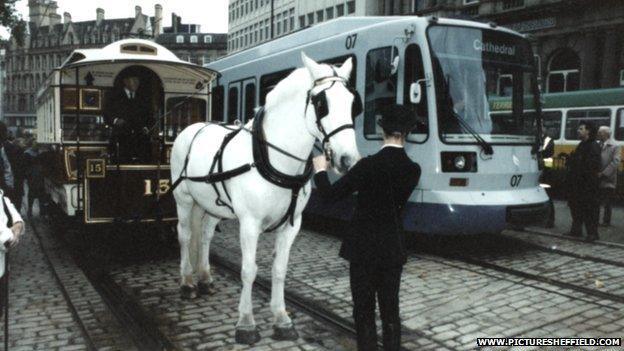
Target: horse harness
260	150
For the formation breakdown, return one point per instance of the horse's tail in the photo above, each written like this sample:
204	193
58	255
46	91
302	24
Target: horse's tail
196	233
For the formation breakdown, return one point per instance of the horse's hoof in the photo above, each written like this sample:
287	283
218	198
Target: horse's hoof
188	292
285	333
247	336
206	288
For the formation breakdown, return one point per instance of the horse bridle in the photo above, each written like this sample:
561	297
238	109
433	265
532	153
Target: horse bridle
321	110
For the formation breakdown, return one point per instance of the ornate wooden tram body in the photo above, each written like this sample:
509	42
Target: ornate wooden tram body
83	178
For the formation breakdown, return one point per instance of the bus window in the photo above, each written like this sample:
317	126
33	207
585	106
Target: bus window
414	71
619	125
217	103
381	88
552	124
232	105
181	113
574	117
269	81
250	101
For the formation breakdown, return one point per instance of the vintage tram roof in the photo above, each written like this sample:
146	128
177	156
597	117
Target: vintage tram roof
335	27
131	50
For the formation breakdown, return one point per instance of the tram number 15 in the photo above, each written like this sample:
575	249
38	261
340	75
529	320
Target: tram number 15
515	180
163	187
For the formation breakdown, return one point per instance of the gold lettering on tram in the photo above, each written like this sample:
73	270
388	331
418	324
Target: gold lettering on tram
163	187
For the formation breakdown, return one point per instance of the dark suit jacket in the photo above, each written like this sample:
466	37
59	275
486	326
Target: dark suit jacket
135	112
383	183
583	168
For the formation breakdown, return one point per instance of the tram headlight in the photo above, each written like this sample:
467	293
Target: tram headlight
459	162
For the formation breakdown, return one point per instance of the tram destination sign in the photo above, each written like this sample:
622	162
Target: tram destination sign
533	25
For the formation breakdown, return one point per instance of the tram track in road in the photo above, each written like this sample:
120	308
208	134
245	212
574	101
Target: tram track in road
136	323
544	233
536	262
308	306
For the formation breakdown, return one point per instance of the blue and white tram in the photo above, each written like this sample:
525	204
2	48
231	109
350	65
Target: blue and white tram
480	171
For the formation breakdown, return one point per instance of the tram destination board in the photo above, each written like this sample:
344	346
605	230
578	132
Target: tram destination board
129	193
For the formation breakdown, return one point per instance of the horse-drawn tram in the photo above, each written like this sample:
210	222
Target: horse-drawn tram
109	118
480	170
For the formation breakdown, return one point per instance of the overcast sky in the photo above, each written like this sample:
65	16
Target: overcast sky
210	14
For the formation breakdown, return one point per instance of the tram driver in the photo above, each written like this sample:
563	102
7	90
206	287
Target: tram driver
129	117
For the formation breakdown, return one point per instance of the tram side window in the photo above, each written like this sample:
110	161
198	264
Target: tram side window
598	117
90	106
269	81
250	101
232	105
414	71
181	113
619	125
217	103
381	88
552	124
338	61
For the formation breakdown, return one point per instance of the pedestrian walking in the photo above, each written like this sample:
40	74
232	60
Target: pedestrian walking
583	183
547	151
6	171
375	245
34	177
610	161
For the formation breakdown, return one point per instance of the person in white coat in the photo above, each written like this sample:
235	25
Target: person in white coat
11	228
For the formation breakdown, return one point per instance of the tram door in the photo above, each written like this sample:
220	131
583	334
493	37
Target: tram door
249	99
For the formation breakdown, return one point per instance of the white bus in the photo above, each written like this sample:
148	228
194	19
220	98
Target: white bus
479	173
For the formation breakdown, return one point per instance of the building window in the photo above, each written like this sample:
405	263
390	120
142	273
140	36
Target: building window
329	12
194	39
564	72
350	7
207	39
310	18
512	4
302	21
320	16
339	10
180	39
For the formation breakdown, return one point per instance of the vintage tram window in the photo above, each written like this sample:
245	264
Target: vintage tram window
181	113
619	125
381	88
601	117
92	128
269	81
232	113
338	61
217	103
415	71
250	101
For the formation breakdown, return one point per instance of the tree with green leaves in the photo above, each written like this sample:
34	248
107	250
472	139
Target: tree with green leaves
11	19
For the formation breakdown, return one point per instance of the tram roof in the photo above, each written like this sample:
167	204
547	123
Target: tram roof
132	50
328	29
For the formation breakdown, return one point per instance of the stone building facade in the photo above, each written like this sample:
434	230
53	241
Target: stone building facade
51	37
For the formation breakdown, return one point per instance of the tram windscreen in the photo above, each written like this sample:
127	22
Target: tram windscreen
473	67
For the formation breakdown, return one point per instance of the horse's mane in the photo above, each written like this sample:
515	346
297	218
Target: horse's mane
284	88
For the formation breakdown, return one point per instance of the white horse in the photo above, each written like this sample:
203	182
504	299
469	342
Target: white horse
290	124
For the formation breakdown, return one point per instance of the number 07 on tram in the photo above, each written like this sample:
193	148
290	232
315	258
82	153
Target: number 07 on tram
479	170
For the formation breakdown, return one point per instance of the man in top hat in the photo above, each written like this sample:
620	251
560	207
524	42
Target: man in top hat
129	117
375	245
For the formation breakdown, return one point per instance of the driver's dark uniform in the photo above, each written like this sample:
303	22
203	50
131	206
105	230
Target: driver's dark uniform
375	245
129	142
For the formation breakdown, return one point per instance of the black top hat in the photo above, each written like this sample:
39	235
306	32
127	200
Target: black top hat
397	119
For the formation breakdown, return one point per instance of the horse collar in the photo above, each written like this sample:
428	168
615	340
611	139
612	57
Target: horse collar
263	164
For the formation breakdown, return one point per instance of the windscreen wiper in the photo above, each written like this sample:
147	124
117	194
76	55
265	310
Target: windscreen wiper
487	147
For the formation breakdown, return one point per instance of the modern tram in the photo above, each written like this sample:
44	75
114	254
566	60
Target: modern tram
479	173
562	112
84	177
